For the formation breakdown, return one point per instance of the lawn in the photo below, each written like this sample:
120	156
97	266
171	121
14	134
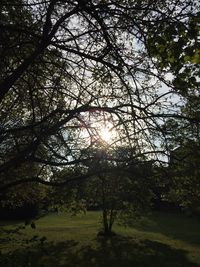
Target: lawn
159	240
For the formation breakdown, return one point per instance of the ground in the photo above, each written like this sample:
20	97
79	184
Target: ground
59	240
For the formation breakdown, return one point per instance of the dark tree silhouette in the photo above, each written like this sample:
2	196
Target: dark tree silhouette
67	64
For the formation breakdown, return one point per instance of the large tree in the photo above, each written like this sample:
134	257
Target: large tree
69	67
184	143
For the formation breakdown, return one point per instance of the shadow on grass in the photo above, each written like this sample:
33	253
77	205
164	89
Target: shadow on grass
176	226
117	251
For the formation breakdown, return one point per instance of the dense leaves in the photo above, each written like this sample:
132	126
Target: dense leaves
185	186
70	68
174	47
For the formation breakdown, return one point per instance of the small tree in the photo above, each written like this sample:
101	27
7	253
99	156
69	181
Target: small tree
121	193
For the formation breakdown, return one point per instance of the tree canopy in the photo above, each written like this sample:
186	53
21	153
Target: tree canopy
70	68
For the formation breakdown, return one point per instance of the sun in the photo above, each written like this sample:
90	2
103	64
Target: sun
105	134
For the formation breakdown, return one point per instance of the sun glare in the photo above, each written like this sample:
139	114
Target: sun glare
106	134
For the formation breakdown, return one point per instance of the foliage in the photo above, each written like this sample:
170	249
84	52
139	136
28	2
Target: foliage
185	186
23	200
175	47
122	193
67	66
184	141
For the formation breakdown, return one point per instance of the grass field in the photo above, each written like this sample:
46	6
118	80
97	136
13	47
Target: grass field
160	240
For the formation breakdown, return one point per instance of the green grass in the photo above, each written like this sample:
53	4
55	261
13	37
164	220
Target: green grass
159	240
